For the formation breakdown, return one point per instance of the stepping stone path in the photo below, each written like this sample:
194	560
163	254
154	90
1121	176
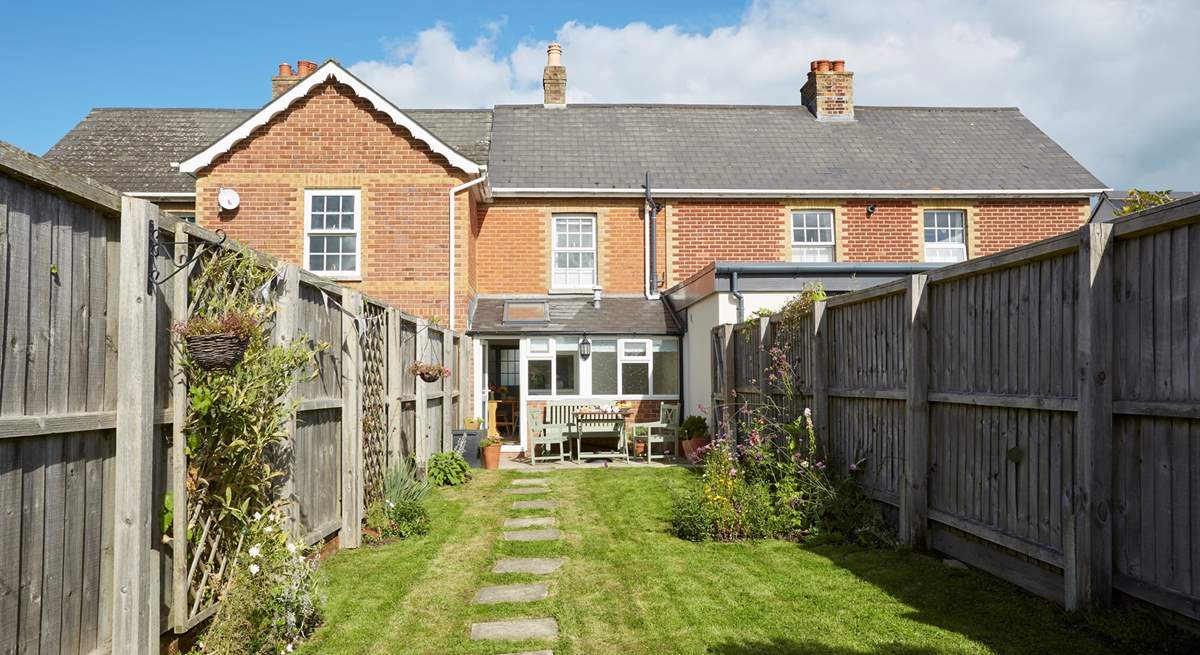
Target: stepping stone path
530	528
547	534
525	491
534	522
529	565
534	504
511	593
515	630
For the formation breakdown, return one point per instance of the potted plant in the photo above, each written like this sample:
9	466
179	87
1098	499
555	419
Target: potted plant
491	452
218	342
693	433
429	372
473	423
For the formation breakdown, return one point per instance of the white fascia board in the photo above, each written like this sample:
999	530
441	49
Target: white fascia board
328	70
563	192
160	194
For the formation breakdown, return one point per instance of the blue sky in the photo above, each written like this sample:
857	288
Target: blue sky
1108	79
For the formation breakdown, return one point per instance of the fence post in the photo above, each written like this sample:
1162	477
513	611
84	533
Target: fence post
421	429
352	478
764	360
1087	529
914	498
136	602
395	447
179	404
465	406
287	318
732	402
820	383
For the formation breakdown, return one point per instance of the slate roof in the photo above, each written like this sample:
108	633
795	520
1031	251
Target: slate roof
775	147
575	315
132	149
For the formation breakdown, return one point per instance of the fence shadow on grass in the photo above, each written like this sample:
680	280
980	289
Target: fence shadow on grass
807	647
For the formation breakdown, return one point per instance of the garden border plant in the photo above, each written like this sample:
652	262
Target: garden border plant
775	483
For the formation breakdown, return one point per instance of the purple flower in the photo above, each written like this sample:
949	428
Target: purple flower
820	466
854	467
732	472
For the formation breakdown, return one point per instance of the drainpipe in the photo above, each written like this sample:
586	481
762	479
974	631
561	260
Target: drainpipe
454	192
737	293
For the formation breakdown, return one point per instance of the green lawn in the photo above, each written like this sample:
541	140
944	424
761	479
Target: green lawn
630	587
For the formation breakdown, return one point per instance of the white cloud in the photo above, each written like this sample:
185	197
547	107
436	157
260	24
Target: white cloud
1112	81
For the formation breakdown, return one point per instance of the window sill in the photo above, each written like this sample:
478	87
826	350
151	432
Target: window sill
339	277
570	292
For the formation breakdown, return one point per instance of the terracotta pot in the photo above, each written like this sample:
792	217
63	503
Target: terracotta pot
491	456
639	448
691	445
473	423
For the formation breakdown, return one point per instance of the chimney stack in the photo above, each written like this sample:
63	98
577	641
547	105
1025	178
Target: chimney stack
829	92
287	78
554	78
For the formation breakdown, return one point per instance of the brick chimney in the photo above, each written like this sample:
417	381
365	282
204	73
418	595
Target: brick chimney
287	78
554	78
829	92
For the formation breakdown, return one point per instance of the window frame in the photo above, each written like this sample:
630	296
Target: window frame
926	243
560	345
356	274
555	250
831	244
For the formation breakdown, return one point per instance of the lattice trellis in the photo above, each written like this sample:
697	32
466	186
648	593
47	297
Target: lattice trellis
207	563
374	402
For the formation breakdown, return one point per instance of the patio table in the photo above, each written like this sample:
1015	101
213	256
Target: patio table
600	425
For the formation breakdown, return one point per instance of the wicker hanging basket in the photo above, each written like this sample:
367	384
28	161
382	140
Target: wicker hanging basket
216	351
431	376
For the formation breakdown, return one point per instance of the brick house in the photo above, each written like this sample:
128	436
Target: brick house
589	248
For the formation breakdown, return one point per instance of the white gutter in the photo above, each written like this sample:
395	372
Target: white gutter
454	192
569	192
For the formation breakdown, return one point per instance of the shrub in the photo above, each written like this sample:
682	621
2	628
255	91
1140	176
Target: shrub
271	603
692	427
448	469
406	519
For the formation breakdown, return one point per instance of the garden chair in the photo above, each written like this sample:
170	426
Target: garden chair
663	431
545	435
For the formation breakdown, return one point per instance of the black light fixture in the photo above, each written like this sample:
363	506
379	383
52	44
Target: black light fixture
585	347
870	210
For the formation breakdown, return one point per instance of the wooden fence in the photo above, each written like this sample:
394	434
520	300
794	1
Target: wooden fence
92	404
1035	413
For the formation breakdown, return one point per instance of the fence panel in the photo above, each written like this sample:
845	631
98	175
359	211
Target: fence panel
1156	435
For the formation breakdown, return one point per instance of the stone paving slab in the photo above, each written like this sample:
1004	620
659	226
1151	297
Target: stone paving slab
533	522
525	491
511	593
531	565
549	534
530	482
515	630
534	504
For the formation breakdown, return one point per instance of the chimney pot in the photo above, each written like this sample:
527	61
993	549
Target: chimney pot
839	66
822	65
285	70
812	65
554	54
306	67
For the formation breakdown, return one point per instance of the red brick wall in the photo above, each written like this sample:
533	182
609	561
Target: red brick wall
1004	224
512	244
890	234
332	139
705	231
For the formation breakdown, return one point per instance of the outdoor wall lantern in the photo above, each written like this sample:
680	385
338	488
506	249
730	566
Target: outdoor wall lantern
585	347
870	211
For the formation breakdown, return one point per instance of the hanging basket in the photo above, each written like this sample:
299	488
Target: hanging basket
216	351
429	372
